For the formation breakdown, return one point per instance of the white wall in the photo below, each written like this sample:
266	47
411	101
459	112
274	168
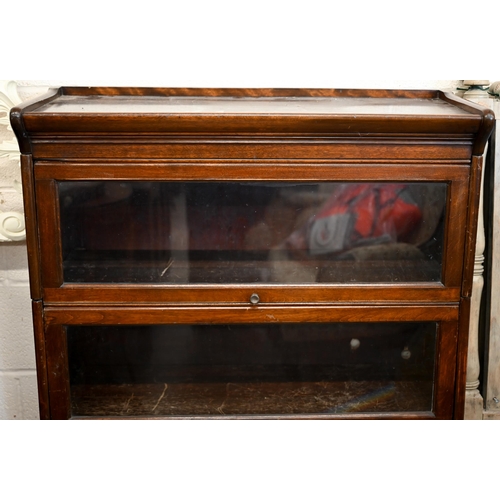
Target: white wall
18	391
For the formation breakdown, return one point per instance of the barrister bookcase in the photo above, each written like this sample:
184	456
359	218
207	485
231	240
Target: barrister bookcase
251	253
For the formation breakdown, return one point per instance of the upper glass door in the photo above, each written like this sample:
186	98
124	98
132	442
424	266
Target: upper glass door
251	232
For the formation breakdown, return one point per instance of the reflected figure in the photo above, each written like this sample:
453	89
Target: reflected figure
249	232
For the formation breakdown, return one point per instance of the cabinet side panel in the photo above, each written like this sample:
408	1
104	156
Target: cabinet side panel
31	226
57	369
472	221
50	236
463	341
445	369
41	360
455	233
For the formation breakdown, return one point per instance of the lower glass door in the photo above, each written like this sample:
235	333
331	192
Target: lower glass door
264	369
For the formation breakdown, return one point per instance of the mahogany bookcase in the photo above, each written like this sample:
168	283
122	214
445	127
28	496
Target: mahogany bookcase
251	253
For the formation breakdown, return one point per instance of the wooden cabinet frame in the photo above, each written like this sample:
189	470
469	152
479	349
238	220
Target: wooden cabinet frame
56	291
126	134
58	398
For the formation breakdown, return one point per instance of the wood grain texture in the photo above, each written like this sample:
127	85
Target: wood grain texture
248	92
41	360
461	364
361	149
445	370
32	236
247	315
49	230
455	231
57	370
76	294
471	225
220	170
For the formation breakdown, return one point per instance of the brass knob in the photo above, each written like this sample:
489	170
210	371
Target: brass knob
254	299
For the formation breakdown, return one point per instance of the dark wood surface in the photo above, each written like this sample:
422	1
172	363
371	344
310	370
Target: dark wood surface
446	376
41	360
216	314
250	111
253	135
90	294
351	148
247	399
32	235
57	372
471	225
256	170
462	354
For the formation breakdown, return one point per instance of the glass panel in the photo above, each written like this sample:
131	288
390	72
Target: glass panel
251	369
221	232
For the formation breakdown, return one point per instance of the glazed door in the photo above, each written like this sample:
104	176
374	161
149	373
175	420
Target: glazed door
177	240
200	367
235	232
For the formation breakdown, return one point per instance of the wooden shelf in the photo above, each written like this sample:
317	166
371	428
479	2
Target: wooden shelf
250	398
109	270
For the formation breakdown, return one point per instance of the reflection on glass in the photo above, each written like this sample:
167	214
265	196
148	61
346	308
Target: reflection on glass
251	369
232	232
